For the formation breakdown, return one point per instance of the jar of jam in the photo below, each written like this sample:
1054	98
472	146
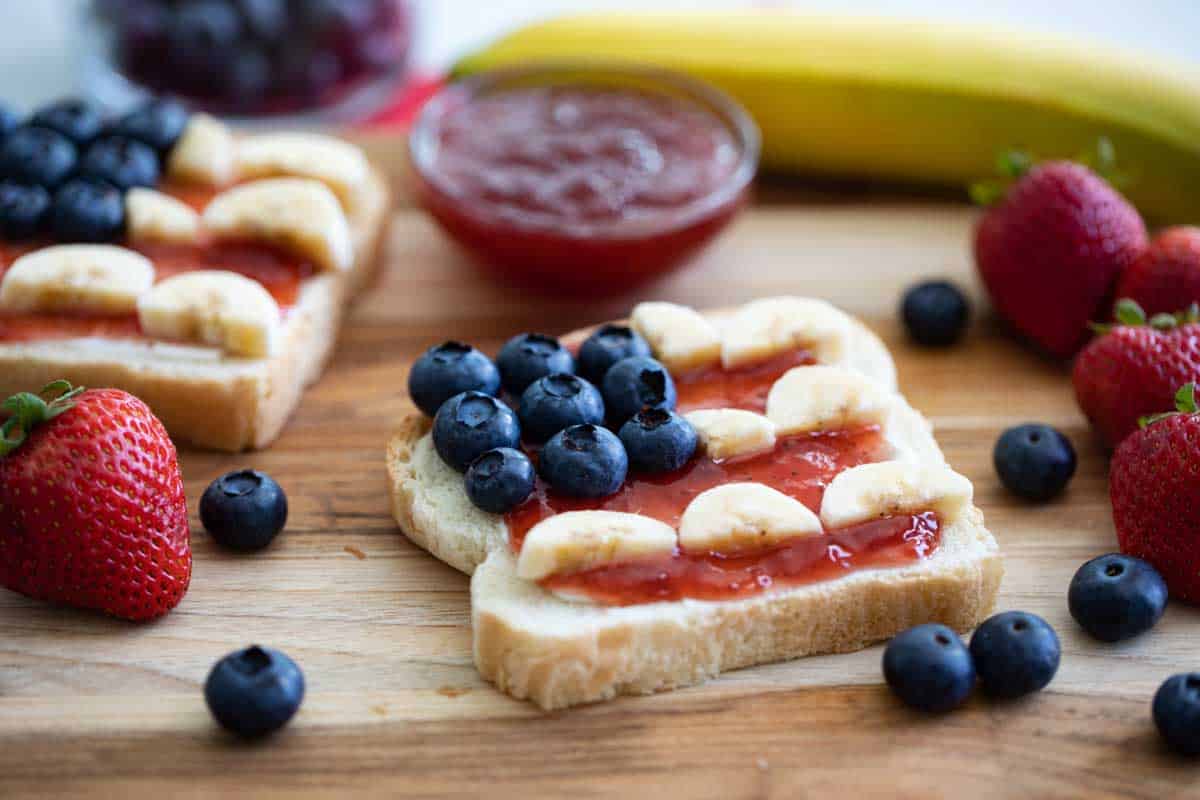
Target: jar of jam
340	58
588	179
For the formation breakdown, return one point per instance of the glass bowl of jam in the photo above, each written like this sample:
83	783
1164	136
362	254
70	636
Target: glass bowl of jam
582	179
302	61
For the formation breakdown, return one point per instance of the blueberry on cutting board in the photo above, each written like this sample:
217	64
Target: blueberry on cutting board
1116	597
254	692
244	510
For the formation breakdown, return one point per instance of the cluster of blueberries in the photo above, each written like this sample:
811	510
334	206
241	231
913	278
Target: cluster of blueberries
64	170
568	406
1114	597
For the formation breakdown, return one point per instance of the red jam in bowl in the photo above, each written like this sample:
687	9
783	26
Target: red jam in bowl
582	180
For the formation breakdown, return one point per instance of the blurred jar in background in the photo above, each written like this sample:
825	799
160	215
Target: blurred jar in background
339	58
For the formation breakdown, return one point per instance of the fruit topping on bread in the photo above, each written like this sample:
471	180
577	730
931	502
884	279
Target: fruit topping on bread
163	254
699	537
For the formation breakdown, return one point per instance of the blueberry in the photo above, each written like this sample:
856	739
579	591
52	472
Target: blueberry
500	480
125	163
1034	461
78	120
246	76
929	668
265	19
449	369
254	692
528	356
200	39
469	424
558	401
633	384
86	210
158	123
584	461
1177	712
244	510
1116	597
935	313
23	210
9	120
658	440
607	346
1015	653
37	156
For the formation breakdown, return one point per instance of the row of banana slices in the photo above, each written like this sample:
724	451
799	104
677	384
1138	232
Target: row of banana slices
738	516
684	339
300	190
803	400
215	308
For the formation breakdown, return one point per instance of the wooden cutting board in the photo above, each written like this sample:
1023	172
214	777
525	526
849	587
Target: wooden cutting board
382	630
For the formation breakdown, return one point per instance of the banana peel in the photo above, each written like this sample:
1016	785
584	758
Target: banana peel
901	100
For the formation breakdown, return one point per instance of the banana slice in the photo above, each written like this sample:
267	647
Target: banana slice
762	328
821	398
299	214
203	154
579	540
738	516
86	278
213	307
680	337
339	165
729	432
152	216
873	491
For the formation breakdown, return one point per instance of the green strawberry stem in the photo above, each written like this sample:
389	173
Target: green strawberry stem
1011	165
27	410
1128	313
1185	403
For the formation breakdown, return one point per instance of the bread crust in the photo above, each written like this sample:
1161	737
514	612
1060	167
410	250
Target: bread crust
204	397
556	653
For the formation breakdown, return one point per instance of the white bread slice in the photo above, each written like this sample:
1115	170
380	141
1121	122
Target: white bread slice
205	397
557	653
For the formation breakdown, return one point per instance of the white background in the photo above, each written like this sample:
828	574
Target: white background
37	37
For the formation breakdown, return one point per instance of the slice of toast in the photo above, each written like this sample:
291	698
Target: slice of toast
205	395
557	651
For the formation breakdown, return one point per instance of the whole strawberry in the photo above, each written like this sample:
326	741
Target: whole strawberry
1166	277
1134	368
92	509
1050	252
1156	496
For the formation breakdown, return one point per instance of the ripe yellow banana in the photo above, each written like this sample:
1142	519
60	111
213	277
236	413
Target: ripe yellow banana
908	101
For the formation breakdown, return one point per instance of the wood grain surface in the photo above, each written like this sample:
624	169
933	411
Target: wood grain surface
99	708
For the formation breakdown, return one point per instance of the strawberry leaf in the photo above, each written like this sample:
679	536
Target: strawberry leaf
27	411
1128	312
1185	399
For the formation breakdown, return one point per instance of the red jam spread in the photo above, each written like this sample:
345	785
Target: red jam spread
280	273
800	466
743	387
572	187
889	542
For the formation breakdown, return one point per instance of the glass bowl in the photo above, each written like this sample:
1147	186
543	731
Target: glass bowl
576	115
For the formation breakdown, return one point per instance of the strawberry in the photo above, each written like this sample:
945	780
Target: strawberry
92	509
1051	250
1156	497
1133	368
1166	276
